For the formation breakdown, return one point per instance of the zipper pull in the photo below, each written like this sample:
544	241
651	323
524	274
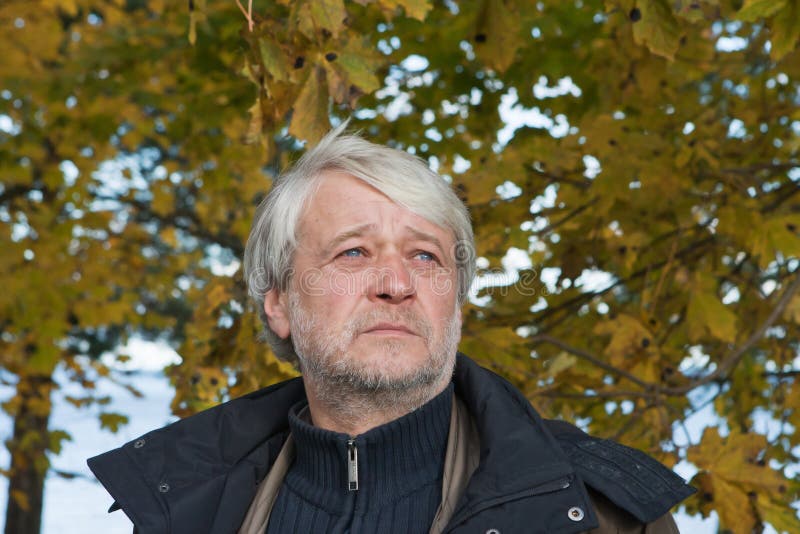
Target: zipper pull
352	465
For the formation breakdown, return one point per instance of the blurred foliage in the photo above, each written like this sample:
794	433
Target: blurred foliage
639	155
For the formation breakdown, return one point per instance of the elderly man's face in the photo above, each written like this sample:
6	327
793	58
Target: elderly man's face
373	296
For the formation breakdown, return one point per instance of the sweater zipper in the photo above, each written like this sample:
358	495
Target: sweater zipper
352	465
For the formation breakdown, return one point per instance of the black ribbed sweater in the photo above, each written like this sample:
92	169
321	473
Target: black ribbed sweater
400	468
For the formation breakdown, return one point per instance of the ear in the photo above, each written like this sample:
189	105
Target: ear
276	310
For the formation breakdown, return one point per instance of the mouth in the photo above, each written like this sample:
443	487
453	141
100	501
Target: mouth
389	329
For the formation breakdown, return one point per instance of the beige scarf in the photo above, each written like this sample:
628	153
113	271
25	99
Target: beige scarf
460	461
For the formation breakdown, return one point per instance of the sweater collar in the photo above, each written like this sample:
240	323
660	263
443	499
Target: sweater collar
393	459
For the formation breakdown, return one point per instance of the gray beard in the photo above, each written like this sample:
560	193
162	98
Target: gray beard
349	389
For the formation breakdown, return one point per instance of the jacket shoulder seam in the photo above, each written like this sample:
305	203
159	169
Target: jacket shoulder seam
628	477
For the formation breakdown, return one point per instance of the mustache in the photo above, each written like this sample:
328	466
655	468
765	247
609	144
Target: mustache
407	318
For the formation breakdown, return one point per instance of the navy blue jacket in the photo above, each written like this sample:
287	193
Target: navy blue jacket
200	474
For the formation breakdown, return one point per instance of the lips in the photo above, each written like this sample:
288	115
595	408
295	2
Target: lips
389	328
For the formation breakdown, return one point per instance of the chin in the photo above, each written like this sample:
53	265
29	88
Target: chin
392	364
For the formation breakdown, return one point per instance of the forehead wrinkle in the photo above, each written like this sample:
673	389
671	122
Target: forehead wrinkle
424	236
343	236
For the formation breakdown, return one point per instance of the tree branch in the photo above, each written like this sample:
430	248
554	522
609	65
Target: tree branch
195	227
580	299
552	226
729	363
590	358
720	373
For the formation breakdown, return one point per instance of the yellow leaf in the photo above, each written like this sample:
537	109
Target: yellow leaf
310	111
781	516
192	28
112	421
360	71
731	474
163	200
169	237
21	498
196	14
497	37
733	458
733	506
561	362
739	222
44	360
416	9
216	294
784	235
785	30
707	315
352	74
69	7
657	28
628	336
254	127
207	385
792	310
752	10
273	58
328	14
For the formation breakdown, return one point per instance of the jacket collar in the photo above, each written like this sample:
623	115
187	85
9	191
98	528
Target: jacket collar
213	461
517	453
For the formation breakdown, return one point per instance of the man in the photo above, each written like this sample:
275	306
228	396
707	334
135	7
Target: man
359	260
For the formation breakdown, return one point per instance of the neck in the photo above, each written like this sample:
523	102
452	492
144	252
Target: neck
342	409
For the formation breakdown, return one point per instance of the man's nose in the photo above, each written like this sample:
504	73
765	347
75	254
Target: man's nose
393	281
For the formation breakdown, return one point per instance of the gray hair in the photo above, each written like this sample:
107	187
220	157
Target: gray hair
403	178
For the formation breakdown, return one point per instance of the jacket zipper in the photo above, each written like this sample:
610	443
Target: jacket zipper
352	465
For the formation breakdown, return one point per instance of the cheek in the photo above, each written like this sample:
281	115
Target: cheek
334	298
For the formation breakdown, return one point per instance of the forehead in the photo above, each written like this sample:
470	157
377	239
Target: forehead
342	202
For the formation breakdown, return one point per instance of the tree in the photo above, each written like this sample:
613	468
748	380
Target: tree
660	191
649	180
114	130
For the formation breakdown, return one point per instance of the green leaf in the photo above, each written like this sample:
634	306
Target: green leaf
497	37
45	359
657	29
56	437
560	363
628	337
707	314
310	111
785	30
273	58
792	311
328	14
112	421
753	10
416	9
360	72
782	518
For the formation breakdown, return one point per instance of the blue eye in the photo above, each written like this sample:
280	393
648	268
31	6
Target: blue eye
352	253
426	256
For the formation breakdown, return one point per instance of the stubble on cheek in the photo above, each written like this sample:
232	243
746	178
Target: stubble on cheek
323	350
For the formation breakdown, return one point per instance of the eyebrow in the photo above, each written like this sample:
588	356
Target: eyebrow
424	236
359	231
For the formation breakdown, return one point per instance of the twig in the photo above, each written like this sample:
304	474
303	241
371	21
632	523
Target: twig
728	364
592	359
248	13
650	307
720	373
594	395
